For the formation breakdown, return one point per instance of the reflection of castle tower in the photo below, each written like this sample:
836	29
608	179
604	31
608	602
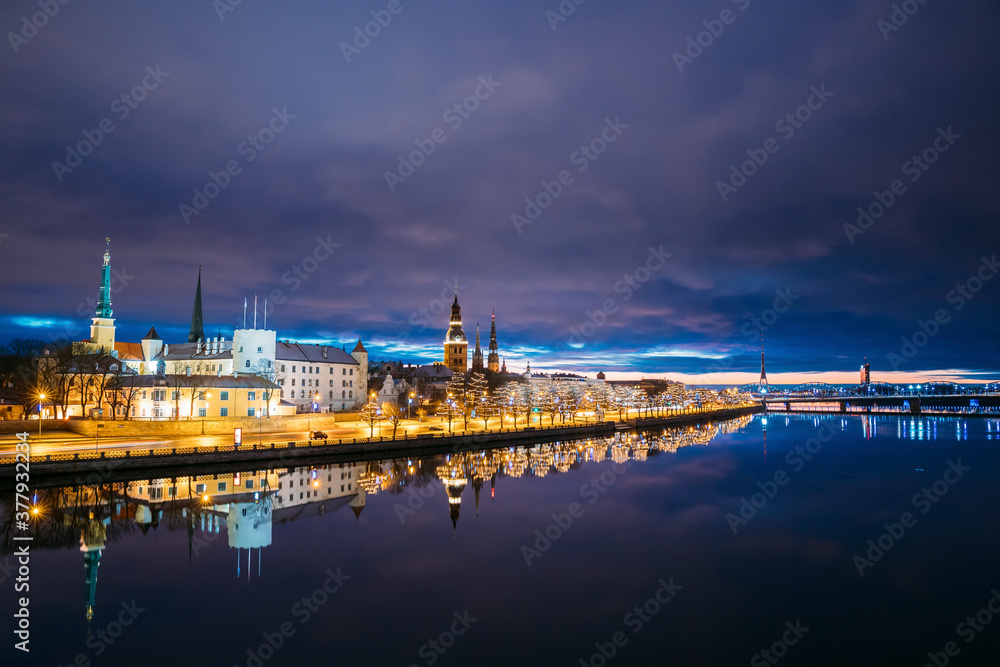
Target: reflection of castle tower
477	356
358	503
456	346
102	329
249	525
493	361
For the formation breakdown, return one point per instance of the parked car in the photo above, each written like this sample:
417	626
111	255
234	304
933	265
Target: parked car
317	435
435	428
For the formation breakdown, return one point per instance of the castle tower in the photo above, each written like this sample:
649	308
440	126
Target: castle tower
477	356
102	328
197	332
493	361
360	355
253	351
152	345
456	346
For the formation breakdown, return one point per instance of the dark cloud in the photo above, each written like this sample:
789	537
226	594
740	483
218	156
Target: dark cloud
323	176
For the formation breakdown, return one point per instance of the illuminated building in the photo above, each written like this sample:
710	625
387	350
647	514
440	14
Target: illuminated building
456	347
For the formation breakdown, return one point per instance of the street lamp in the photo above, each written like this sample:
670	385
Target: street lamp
41	398
409	401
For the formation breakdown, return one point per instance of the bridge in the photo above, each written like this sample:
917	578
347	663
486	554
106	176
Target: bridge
955	404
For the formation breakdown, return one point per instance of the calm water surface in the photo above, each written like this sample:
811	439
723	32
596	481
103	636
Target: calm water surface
699	547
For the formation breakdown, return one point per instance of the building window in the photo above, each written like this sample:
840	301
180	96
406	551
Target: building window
248	363
249	483
350	394
144	393
293	369
259	350
251	396
292	394
331	383
331	370
293	382
222	486
345	371
282	368
250	412
223	412
350	383
352	371
223	395
200	488
343	394
331	394
202	412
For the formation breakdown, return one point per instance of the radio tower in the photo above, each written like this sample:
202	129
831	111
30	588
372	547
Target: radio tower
764	386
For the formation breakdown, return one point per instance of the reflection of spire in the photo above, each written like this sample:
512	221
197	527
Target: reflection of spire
92	544
91	561
493	488
190	529
477	485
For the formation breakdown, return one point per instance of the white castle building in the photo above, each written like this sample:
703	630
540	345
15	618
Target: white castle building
313	378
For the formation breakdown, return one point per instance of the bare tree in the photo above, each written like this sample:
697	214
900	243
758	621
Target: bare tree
392	414
370	415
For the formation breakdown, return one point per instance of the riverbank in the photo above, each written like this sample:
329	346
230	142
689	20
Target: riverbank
112	465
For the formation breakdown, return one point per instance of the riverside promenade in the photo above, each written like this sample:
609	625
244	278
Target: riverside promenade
121	465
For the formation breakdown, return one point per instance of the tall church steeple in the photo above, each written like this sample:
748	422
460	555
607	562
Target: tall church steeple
477	356
102	328
197	331
493	361
456	345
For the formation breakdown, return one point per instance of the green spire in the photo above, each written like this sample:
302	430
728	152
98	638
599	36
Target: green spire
104	301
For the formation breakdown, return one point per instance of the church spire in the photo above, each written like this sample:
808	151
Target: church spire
493	361
104	300
477	356
197	332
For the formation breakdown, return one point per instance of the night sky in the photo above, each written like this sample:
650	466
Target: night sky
640	125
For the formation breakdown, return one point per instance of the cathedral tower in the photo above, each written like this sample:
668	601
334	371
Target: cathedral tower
493	361
456	346
102	328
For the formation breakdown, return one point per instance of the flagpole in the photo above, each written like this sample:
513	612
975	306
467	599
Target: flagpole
255	311
244	312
